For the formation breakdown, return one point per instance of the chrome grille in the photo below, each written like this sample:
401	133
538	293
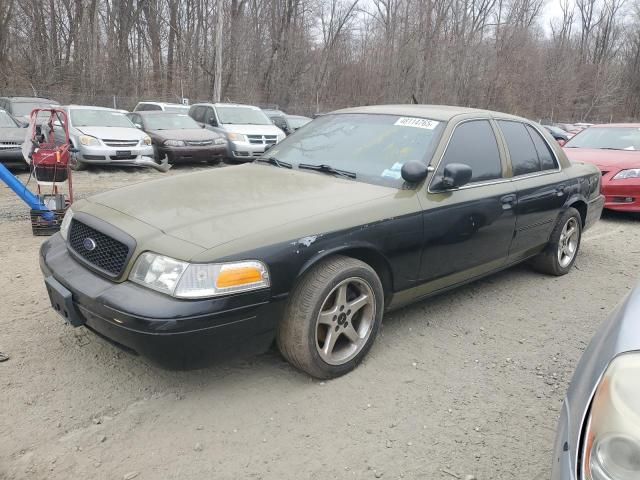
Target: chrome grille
198	143
98	249
121	143
262	139
7	144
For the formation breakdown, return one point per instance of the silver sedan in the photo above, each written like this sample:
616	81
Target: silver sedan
598	435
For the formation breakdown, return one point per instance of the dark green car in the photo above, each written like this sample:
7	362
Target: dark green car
362	211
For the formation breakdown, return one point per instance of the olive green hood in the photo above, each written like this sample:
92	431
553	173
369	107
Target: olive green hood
216	206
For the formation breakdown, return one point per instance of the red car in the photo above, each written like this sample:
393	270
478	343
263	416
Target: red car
615	150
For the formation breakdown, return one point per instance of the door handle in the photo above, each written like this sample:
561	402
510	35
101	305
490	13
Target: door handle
561	190
508	201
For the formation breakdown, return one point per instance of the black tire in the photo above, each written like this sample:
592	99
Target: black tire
548	261
297	335
156	155
75	163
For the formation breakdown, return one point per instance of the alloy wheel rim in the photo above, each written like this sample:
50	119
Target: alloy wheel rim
568	244
345	321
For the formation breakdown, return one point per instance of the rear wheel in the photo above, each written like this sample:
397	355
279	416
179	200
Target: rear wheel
561	252
332	317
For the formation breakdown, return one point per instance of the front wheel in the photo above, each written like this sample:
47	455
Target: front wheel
75	163
332	317
561	252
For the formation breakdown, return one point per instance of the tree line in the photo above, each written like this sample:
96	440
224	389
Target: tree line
317	55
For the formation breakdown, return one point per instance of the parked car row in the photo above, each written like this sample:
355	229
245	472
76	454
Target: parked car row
155	132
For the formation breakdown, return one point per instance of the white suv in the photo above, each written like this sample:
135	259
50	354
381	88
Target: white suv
249	131
161	106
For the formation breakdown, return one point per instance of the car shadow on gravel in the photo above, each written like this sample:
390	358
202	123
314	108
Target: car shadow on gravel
626	217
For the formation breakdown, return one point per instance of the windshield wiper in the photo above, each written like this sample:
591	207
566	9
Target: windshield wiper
327	169
274	161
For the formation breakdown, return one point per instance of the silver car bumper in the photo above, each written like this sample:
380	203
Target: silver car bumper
562	467
104	155
246	151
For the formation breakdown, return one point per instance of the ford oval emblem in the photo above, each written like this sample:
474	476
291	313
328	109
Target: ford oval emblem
89	244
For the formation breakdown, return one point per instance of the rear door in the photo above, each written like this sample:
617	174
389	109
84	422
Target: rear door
468	230
541	186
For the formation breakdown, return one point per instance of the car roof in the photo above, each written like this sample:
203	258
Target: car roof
227	105
434	112
146	113
164	103
90	107
29	99
616	125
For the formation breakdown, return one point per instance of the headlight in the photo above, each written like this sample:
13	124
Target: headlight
174	143
219	141
237	137
630	173
146	140
87	140
198	280
612	441
66	222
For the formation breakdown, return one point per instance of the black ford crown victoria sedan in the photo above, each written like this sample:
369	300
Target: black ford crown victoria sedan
364	210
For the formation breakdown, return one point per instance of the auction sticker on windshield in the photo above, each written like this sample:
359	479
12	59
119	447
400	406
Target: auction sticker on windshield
416	122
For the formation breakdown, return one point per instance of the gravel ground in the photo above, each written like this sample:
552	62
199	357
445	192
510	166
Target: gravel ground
467	383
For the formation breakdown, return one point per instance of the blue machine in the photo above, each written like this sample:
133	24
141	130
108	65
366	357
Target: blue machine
21	190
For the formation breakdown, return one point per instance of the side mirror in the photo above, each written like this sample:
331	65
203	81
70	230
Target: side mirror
414	171
212	122
137	125
456	175
561	142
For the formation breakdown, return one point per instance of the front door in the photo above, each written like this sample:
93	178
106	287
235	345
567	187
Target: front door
468	230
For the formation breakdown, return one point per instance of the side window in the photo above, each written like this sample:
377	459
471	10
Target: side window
154	108
547	159
474	143
210	117
196	113
524	158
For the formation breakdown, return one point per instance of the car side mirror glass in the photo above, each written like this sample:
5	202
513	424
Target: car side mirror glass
138	125
414	171
456	175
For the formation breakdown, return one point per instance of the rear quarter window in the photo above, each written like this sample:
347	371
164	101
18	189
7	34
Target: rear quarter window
522	152
546	156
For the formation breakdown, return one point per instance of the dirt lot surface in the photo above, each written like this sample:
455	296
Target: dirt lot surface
467	383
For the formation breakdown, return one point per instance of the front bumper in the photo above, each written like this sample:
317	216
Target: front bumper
173	333
104	155
562	467
11	155
244	151
192	153
622	195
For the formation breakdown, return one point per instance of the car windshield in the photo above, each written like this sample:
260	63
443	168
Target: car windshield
24	108
242	116
169	121
374	147
6	120
297	122
176	109
612	138
99	118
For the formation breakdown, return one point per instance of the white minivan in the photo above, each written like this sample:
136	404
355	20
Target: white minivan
249	131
